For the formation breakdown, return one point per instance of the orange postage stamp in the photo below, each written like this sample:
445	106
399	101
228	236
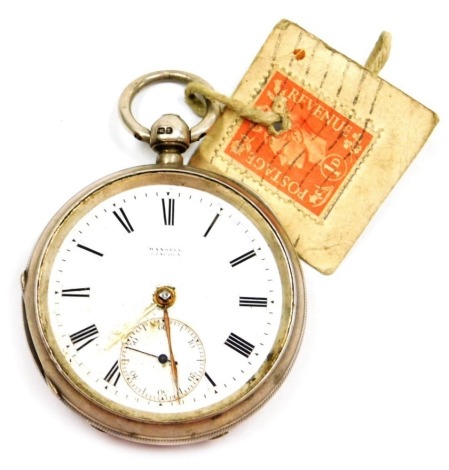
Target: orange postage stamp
314	160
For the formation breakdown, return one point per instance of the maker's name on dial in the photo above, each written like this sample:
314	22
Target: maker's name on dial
165	251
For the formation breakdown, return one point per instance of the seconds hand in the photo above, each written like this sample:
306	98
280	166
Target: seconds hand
162	358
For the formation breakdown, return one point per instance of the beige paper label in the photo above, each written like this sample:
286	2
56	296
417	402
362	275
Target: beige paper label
352	136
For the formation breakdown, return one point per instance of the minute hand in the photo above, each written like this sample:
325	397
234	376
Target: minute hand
174	368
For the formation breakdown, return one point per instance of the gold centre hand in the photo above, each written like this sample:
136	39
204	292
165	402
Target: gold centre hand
165	297
174	368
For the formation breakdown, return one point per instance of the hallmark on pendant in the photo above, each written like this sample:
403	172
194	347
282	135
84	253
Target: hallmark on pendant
164	130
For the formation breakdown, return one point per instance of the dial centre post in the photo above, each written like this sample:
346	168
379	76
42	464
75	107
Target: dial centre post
165	296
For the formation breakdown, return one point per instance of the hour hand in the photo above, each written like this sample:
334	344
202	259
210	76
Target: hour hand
125	330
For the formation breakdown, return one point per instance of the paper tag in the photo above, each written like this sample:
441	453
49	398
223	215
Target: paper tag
352	136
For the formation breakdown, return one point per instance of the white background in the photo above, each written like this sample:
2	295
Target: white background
370	389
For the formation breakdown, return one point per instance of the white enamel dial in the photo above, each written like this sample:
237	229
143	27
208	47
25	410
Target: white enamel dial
164	296
111	262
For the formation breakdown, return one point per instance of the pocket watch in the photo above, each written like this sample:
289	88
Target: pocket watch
164	303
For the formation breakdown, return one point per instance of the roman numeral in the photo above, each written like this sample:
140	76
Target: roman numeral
168	208
235	262
206	233
253	302
208	377
79	292
123	219
240	345
84	337
113	375
90	250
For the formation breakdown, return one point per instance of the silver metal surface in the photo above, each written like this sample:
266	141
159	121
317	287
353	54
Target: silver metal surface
142	133
169	136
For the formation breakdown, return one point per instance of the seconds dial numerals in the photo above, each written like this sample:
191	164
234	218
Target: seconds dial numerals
223	325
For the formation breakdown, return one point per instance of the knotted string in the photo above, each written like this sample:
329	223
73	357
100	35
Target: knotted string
276	120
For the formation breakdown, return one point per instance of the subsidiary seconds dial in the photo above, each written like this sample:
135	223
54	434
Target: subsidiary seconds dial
145	360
